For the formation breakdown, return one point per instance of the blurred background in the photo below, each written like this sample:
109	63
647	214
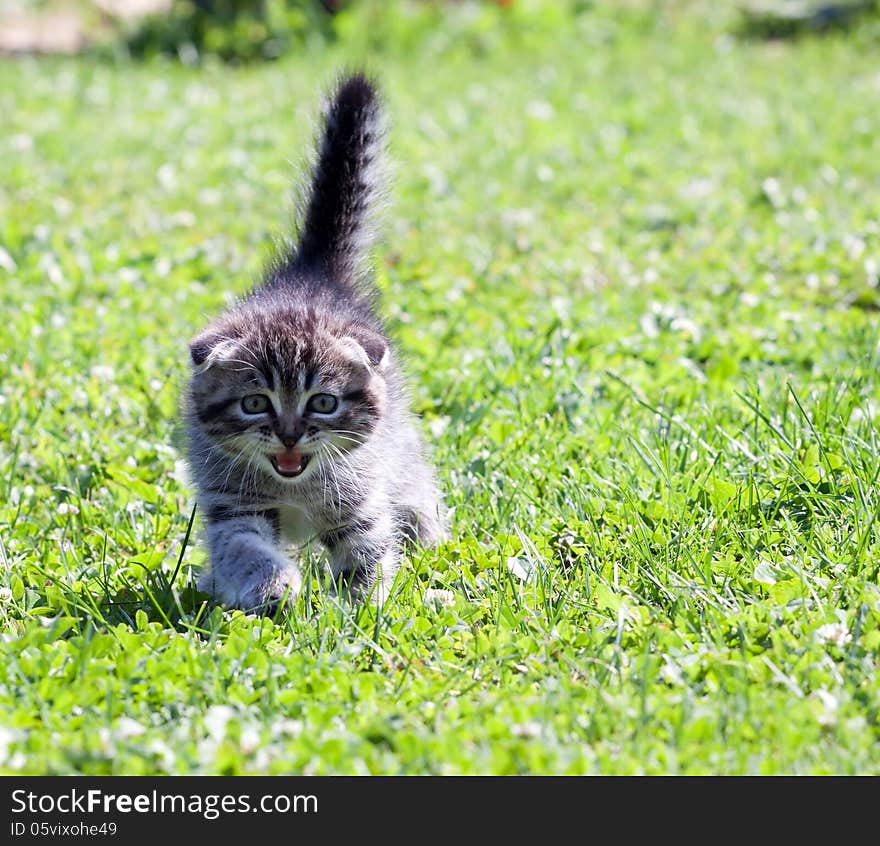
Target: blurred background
252	30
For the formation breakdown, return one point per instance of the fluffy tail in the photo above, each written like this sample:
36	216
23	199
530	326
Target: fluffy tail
336	235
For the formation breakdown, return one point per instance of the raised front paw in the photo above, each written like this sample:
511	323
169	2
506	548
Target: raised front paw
255	591
270	597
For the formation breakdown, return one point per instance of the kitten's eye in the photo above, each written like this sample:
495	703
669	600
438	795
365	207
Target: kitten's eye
322	404
255	404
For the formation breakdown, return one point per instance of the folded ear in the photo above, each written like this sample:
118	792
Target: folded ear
209	348
366	347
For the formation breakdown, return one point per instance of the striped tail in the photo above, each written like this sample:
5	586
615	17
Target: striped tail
336	234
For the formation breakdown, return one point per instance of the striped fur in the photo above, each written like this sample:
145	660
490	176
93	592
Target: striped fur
361	485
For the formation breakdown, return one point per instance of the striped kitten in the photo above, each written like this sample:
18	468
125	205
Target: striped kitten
297	418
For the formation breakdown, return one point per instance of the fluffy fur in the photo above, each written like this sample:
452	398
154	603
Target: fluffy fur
298	424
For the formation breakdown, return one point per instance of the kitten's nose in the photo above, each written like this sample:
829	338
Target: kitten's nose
289	431
289	439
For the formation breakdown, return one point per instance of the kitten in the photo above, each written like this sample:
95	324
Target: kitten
297	418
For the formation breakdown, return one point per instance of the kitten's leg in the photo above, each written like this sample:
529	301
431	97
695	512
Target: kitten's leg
365	555
248	570
422	526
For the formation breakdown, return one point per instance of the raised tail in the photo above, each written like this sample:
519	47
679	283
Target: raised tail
336	234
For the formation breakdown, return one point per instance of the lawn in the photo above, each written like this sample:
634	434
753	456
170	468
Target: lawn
631	260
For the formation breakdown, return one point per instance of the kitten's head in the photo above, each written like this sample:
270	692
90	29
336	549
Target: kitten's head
289	390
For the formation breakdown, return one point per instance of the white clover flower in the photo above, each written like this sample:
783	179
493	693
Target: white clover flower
167	176
830	706
21	142
127	728
293	728
184	219
250	740
526	730
7	262
216	718
697	189
836	633
773	191
161	750
7	738
670	672
648	325
210	197
104	739
67	508
540	110
438	426
687	326
103	372
442	598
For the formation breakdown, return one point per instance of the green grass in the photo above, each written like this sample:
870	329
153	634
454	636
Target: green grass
632	264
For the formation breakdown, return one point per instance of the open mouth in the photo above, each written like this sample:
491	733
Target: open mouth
289	463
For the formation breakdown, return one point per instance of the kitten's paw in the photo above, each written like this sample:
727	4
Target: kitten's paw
271	596
257	592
